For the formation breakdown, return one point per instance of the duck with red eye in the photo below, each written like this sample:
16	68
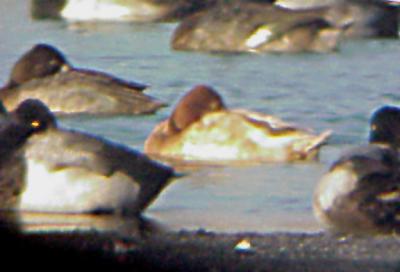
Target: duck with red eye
44	73
361	191
202	128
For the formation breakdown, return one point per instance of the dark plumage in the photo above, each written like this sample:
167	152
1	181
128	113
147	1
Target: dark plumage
256	26
15	129
263	26
385	126
74	172
361	191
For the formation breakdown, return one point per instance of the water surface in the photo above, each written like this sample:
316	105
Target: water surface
336	91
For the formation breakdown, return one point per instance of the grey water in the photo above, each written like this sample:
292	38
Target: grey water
335	91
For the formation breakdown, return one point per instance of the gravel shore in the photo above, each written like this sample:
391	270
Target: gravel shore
200	251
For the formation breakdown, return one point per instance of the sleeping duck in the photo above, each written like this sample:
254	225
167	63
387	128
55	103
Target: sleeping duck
44	73
117	10
262	26
256	26
202	128
74	172
358	18
361	191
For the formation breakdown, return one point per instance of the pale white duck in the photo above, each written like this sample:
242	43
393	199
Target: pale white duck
202	128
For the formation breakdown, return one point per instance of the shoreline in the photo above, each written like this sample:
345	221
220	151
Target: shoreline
201	250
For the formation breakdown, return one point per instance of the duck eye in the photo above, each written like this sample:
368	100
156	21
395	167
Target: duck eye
64	68
35	124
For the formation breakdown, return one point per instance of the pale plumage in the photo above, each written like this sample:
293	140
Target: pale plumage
196	131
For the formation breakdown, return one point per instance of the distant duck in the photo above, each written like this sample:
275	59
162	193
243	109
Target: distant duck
358	18
361	191
15	129
256	26
262	26
73	172
44	73
201	128
114	10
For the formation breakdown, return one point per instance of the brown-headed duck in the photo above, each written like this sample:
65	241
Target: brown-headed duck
202	128
44	73
360	194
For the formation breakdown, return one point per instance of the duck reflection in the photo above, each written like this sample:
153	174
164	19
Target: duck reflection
30	222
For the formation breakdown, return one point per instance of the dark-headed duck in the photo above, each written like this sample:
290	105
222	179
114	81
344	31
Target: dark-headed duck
361	191
44	73
74	172
202	128
15	129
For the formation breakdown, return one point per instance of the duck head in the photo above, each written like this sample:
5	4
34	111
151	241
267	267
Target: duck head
385	126
34	115
31	116
196	103
41	61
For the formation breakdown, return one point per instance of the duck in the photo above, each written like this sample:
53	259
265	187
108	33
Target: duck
15	129
358	18
69	171
44	73
256	27
202	129
284	26
360	193
117	11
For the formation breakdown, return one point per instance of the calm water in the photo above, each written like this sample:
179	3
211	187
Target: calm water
337	91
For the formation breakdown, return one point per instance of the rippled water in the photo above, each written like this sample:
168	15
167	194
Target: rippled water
337	91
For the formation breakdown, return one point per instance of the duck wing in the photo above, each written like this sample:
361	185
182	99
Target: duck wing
378	196
108	78
374	200
272	121
76	92
62	148
307	144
